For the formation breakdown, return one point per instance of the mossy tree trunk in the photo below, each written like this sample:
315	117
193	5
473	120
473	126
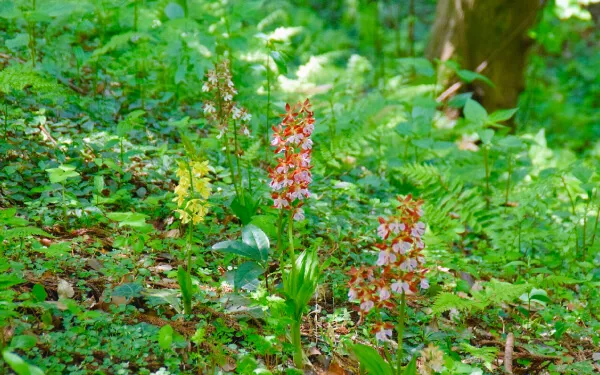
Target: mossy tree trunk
488	36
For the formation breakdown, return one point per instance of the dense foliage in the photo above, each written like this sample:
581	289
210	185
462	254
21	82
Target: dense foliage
164	210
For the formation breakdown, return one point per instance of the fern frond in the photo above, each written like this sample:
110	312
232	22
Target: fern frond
17	77
448	301
23	232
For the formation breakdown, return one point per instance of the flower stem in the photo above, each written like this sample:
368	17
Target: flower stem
238	163
297	342
400	331
291	250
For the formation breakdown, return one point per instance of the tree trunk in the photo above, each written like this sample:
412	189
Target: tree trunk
489	37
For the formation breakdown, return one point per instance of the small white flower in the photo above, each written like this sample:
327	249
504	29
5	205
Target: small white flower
396	227
299	214
280	202
236	113
307	144
384	293
418	229
383	334
352	294
205	87
398	287
246	117
209	108
385	258
227	97
382	230
367	305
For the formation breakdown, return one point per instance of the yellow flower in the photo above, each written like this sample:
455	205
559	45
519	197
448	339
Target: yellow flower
200	168
193	201
183	216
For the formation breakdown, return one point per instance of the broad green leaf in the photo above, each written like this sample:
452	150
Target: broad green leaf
253	236
99	183
18	365
245	211
165	337
129	290
411	368
299	286
133	219
279	59
502	115
185	284
7	281
61	174
486	136
239	248
475	113
469	76
174	10
23	342
39	293
247	274
370	359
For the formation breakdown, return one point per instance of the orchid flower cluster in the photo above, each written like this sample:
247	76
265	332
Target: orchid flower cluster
222	110
192	191
291	177
399	268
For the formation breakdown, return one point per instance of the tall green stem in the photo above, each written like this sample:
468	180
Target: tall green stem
295	326
486	165
297	342
400	331
238	159
508	180
573	210
266	132
291	249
